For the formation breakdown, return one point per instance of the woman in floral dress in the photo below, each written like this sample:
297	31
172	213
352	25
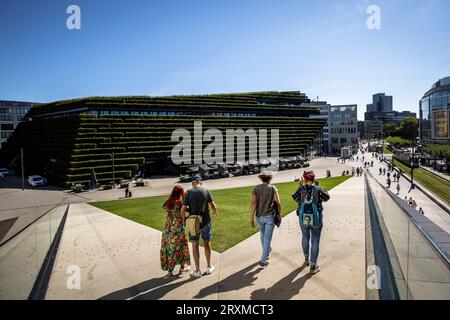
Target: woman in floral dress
174	244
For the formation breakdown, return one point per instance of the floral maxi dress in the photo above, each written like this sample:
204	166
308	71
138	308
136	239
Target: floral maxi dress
174	244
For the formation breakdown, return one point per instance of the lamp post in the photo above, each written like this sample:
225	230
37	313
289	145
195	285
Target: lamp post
113	170
413	162
22	168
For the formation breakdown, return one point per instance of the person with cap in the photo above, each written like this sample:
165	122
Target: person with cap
264	198
198	199
310	196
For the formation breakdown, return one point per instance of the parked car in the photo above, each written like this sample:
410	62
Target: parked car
78	188
36	181
4	172
139	183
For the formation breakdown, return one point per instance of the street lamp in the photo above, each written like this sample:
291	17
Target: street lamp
413	162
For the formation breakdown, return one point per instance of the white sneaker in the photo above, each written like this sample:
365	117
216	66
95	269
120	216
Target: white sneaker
210	270
186	268
196	274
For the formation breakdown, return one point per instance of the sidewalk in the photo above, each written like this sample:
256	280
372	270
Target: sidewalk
119	259
431	209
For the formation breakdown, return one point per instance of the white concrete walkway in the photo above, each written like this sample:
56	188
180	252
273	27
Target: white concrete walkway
119	259
430	208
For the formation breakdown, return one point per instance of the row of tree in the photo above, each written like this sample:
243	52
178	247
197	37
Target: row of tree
440	151
398	141
408	129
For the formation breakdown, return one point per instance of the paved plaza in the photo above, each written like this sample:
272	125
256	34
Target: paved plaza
119	259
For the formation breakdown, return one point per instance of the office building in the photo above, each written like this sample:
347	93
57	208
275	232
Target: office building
434	113
324	113
11	113
373	128
119	136
343	127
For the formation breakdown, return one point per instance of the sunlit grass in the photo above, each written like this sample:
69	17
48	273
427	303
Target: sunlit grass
229	228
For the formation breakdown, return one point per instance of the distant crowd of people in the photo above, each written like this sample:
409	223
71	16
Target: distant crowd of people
393	175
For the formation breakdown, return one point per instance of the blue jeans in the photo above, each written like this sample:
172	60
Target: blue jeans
266	226
313	235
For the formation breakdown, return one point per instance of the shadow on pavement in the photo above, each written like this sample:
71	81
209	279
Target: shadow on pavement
152	289
236	281
284	289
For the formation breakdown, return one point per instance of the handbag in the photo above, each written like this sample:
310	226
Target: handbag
276	213
193	225
194	222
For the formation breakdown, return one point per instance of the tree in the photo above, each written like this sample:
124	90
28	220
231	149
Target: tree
390	129
409	128
398	142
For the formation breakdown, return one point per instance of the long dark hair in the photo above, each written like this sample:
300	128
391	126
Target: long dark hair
176	196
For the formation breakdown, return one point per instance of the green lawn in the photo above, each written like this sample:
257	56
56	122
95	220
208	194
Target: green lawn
431	181
231	227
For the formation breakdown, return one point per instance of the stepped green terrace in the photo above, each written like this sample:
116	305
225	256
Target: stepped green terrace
118	136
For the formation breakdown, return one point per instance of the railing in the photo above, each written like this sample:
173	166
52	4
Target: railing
26	258
408	264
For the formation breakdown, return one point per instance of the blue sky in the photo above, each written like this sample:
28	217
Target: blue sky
137	47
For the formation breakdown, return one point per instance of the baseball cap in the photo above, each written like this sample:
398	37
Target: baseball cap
197	178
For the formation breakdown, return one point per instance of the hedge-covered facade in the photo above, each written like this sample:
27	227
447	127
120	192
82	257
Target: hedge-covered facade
65	140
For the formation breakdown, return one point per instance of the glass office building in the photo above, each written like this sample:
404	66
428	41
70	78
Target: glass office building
434	113
11	113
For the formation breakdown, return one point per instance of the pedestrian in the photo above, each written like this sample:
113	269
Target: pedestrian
406	199
174	245
388	175
395	177
197	199
388	182
357	172
410	201
414	204
310	211
398	188
380	170
421	210
264	199
126	192
384	171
